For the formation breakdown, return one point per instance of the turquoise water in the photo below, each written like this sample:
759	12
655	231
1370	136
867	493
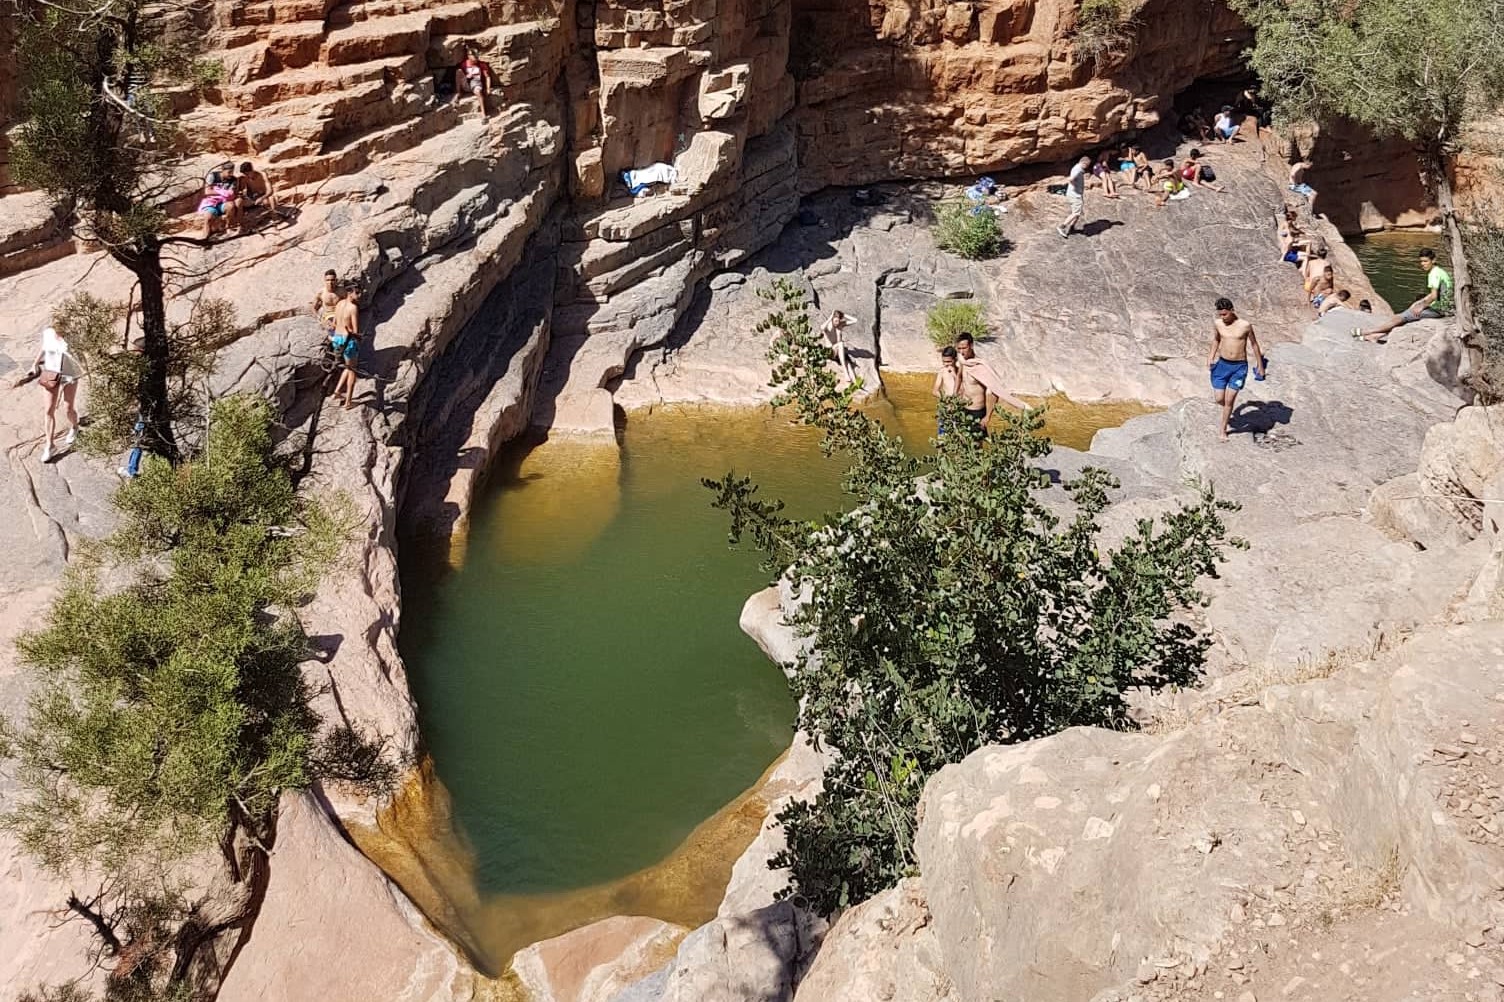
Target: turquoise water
1389	261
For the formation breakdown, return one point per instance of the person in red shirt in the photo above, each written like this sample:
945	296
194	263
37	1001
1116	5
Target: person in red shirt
473	76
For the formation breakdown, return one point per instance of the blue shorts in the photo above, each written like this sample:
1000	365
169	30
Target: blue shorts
1303	189
1229	375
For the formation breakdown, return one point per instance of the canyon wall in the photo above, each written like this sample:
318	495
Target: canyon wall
509	280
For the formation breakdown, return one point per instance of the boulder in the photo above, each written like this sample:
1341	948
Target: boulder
884	948
595	963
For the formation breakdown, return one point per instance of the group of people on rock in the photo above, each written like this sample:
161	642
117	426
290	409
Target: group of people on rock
338	311
1108	168
231	198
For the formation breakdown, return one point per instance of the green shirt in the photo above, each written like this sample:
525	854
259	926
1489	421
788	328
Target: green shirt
1439	282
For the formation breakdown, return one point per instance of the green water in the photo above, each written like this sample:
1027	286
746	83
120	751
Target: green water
584	689
1389	261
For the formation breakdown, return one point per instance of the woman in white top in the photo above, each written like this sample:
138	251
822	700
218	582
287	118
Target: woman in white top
57	374
831	330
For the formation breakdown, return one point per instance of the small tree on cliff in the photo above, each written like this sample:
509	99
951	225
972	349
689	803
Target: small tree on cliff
1420	71
951	608
169	711
102	145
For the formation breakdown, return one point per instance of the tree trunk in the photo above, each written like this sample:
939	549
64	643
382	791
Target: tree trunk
152	393
1462	285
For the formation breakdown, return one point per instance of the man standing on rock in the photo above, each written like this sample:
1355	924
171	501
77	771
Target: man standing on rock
346	342
981	386
1232	340
1075	194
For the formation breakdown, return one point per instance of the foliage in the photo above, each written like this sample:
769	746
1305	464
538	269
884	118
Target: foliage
969	234
96	133
1485	248
951	607
1101	30
950	318
349	755
1419	71
114	370
169	710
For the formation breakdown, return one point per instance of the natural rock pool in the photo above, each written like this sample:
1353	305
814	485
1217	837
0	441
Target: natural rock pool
1389	260
585	692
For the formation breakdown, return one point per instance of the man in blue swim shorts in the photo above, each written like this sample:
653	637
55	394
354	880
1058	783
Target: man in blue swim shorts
1232	340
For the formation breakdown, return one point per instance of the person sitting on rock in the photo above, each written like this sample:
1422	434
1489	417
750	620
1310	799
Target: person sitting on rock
831	331
1142	168
1325	283
1333	302
1105	170
1224	128
1193	171
1435	304
218	199
1194	125
1171	184
473	76
1311	267
254	190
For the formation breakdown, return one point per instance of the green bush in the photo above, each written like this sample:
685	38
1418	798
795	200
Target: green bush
1100	29
975	236
1485	259
950	318
951	607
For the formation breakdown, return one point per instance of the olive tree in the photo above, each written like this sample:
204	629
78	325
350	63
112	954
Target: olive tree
953	606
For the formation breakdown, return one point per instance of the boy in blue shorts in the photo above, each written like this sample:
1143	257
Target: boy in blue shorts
1232	341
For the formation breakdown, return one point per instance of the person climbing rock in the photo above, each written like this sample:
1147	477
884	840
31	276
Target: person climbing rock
1232	341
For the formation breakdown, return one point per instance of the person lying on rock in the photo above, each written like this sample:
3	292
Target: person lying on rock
253	190
981	386
1435	304
473	76
1232	341
1332	302
1193	171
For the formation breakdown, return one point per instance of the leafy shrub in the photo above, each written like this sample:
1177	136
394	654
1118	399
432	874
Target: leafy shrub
1101	30
951	317
975	236
949	608
1485	258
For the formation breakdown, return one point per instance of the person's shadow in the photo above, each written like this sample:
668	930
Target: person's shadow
1259	416
1099	226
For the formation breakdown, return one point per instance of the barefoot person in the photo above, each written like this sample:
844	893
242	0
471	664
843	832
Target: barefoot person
1298	182
1435	304
57	374
254	191
1075	196
981	386
1232	341
346	342
831	331
473	76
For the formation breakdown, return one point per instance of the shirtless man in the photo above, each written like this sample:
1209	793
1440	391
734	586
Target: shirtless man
325	300
981	386
1311	268
1298	182
948	379
831	331
1232	340
346	342
1324	286
254	189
